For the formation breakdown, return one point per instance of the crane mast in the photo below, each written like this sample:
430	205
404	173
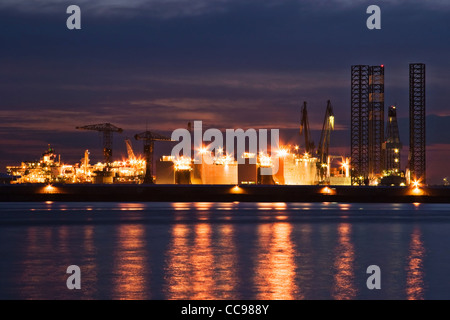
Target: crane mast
304	130
149	138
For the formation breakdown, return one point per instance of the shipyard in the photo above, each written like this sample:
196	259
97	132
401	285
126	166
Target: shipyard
301	172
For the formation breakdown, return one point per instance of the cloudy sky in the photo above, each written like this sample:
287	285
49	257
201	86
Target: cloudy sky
158	64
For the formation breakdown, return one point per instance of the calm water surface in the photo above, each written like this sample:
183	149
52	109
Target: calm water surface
224	250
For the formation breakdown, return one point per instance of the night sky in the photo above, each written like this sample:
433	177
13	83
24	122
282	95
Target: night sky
158	64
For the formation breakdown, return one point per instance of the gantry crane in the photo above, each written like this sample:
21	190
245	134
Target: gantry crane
149	138
304	129
107	129
322	151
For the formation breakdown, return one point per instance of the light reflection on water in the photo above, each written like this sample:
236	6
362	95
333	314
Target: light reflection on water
415	271
222	250
130	263
202	263
198	267
344	288
275	267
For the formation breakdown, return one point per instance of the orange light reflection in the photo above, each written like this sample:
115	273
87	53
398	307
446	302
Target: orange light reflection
415	274
179	270
129	264
226	269
275	266
344	288
89	262
202	206
203	263
130	206
180	206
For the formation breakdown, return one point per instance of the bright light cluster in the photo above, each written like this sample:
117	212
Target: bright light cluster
225	160
265	160
182	163
282	152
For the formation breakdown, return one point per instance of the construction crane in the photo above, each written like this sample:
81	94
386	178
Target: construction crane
304	130
107	129
130	151
322	151
149	138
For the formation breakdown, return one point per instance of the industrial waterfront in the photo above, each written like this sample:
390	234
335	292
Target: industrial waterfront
375	153
189	229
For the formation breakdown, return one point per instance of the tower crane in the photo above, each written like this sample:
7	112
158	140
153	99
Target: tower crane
322	150
149	138
304	130
107	129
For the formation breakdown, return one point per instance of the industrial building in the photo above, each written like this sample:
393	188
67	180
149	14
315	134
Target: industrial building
299	170
50	169
247	172
293	169
165	170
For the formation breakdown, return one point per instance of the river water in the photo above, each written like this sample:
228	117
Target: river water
259	251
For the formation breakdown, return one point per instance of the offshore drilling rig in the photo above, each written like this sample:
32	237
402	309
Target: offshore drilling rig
375	158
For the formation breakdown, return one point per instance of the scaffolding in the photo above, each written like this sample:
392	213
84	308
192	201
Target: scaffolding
359	124
376	121
367	123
